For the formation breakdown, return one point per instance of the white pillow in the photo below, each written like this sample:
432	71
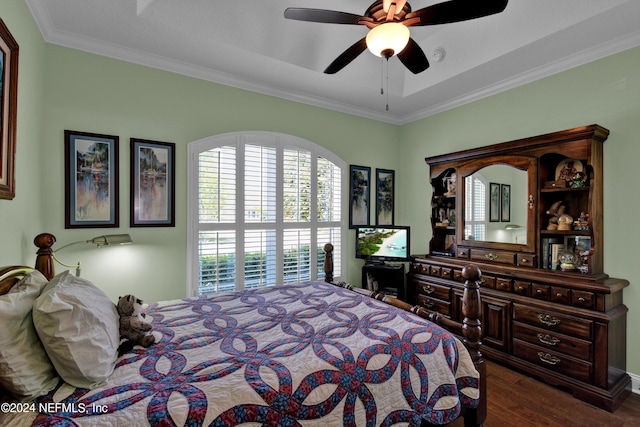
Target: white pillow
79	328
25	370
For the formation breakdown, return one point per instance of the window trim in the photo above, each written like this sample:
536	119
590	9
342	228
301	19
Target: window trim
280	140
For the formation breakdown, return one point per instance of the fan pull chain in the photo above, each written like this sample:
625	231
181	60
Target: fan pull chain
387	84
381	75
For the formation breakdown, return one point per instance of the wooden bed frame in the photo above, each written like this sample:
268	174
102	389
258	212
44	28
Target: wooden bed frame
470	330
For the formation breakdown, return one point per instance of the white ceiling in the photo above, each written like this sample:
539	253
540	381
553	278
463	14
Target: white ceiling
249	44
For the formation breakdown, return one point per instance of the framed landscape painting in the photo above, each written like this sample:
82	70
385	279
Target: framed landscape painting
359	192
152	183
8	106
385	196
91	180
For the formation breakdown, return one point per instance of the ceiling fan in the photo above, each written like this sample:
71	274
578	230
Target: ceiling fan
388	22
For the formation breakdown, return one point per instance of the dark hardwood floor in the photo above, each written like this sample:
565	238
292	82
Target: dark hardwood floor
515	399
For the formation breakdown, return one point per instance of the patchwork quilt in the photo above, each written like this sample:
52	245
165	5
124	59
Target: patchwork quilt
306	354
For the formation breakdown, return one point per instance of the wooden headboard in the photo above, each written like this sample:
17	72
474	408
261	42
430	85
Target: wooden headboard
11	275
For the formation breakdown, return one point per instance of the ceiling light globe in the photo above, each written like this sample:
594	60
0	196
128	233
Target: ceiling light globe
390	36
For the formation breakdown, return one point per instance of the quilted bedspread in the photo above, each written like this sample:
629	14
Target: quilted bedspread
306	354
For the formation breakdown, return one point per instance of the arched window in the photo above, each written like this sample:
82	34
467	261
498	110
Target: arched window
261	207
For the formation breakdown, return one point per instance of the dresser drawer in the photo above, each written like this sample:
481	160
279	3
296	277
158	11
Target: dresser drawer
560	295
555	361
504	284
487	282
522	288
446	273
432	290
457	276
526	260
420	268
540	291
583	299
499	257
463	253
553	341
442	307
549	320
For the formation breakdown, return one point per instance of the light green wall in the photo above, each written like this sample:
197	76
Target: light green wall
606	92
90	93
65	89
22	215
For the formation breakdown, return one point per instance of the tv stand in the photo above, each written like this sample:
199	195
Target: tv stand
385	278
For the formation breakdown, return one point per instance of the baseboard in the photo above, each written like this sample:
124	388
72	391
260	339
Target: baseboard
635	383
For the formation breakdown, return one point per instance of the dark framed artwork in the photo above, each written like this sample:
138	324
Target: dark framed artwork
91	180
505	204
385	196
494	202
8	108
359	195
152	183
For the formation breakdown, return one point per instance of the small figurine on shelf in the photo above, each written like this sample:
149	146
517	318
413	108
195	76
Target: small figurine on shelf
578	180
556	210
568	261
452	218
565	221
450	184
582	223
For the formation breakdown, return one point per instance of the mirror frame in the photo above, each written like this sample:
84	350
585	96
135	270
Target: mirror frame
524	163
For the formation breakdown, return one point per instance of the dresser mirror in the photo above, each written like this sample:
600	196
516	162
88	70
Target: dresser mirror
498	210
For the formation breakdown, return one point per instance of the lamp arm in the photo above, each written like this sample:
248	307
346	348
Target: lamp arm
76	266
71	244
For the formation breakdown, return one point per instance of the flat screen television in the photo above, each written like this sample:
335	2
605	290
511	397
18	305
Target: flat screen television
383	243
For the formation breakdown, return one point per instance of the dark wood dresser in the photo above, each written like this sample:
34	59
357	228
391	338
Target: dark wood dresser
529	213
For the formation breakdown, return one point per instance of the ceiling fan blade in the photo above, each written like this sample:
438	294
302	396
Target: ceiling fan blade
413	57
324	16
455	11
347	56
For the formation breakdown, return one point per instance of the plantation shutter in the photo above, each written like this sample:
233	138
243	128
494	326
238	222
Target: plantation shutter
476	208
266	208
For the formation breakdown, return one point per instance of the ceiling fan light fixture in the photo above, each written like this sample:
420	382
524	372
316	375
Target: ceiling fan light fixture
388	39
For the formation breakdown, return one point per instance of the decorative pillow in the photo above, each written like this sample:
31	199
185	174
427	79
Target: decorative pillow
25	370
78	326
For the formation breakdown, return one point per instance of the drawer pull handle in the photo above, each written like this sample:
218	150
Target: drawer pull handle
548	358
428	304
548	339
482	281
559	295
545	319
491	256
539	291
428	290
524	260
581	299
520	288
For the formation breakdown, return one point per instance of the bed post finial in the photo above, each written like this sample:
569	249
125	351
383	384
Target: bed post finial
44	259
328	262
472	332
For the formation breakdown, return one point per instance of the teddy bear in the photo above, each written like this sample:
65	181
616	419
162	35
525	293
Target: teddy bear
134	328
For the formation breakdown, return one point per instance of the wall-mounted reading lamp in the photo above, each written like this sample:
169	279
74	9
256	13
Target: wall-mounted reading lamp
106	240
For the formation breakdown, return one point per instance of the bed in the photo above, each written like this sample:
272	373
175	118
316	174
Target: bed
305	354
